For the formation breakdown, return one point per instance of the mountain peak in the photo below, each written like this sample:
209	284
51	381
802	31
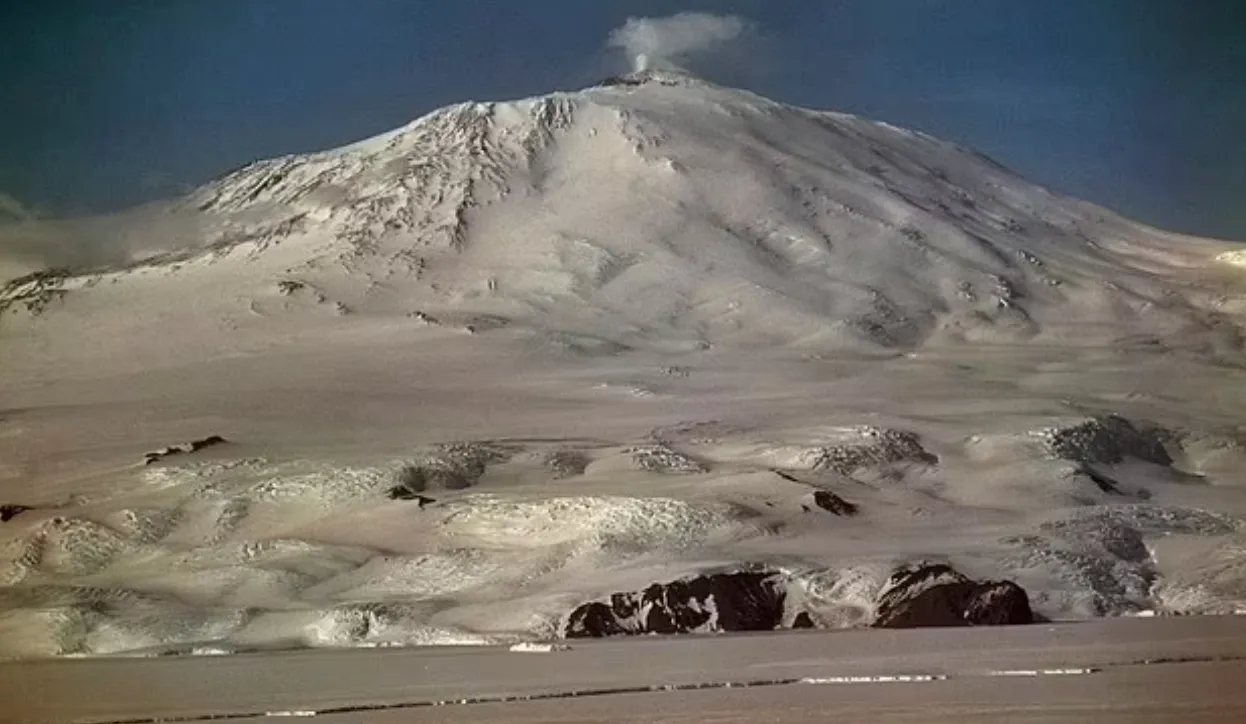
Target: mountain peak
661	206
655	76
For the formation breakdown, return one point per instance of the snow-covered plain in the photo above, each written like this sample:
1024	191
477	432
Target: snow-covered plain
515	356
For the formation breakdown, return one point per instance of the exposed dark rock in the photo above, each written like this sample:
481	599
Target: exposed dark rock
9	511
1108	440
741	601
1101	481
692	432
451	466
287	287
399	492
624	80
788	477
938	595
197	445
998	603
1122	542
919	596
418	478
566	463
35	291
662	459
1102	553
425	318
641	77
481	323
905	581
1149	520
1109	567
191	447
1109	484
878	447
828	501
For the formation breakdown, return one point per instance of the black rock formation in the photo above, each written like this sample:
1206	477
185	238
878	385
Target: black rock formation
878	448
828	501
757	600
938	595
659	458
191	447
566	463
641	77
9	511
289	286
741	601
450	466
401	492
209	441
1108	440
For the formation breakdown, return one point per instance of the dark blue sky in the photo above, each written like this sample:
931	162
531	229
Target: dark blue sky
1136	104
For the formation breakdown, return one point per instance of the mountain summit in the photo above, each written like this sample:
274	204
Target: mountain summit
659	208
654	75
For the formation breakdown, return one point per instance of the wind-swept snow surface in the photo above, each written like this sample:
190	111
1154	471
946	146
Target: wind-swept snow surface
512	357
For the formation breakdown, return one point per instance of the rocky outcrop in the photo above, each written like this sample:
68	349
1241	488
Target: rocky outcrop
875	447
938	595
566	463
288	287
450	466
649	75
1108	440
832	503
660	458
184	449
34	292
741	601
9	511
399	492
758	600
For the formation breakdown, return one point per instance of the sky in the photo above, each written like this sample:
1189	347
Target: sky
1139	105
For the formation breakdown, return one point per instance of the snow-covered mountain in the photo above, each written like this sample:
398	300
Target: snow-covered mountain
471	374
661	207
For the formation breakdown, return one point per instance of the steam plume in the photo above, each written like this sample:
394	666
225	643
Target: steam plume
668	43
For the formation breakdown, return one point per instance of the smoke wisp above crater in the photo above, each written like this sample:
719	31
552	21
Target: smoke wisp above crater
672	42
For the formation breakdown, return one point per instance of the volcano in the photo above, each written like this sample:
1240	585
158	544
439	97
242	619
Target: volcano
657	208
641	323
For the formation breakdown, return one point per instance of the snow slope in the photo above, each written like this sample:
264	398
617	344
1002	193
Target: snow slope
665	209
641	299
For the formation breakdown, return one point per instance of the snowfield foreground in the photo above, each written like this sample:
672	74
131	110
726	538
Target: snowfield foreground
491	376
1172	670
